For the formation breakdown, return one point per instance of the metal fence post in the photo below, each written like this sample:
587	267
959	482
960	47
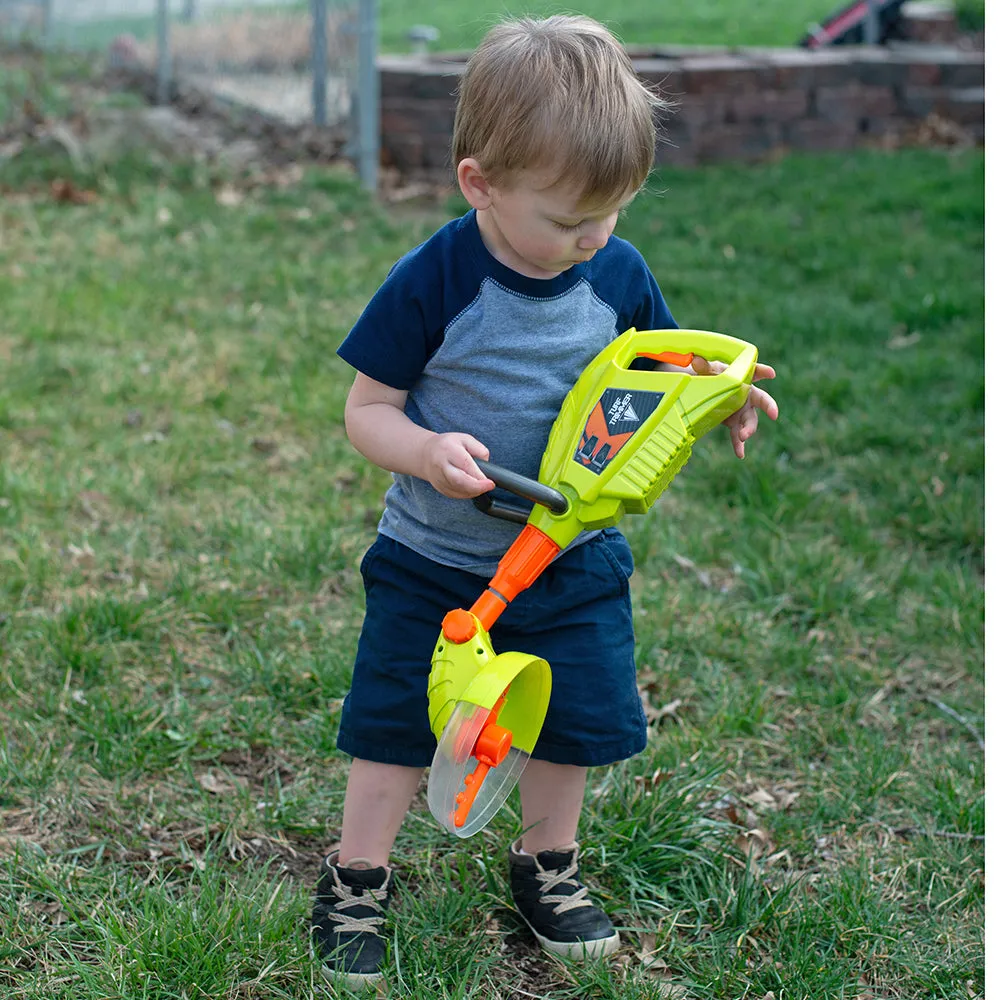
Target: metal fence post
368	94
871	28
319	67
163	51
48	22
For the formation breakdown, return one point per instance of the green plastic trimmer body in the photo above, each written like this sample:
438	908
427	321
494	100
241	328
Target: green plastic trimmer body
621	436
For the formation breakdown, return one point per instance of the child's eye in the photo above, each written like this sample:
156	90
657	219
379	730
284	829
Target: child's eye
566	229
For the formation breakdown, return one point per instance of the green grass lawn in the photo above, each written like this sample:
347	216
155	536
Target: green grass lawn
708	22
181	518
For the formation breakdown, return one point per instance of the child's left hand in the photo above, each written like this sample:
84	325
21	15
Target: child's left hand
743	423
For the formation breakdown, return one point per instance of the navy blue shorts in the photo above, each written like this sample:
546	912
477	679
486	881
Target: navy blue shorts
577	615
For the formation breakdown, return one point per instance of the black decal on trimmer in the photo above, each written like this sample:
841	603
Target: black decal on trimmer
618	415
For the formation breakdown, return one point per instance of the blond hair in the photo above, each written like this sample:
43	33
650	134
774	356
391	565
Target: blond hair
559	94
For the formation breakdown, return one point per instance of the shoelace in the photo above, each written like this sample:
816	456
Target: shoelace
550	880
347	922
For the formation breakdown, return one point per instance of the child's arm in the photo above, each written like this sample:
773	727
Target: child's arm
384	434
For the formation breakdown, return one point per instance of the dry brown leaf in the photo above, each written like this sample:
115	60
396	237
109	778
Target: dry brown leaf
229	197
647	952
266	446
68	193
703	578
94	504
217	785
762	798
755	844
672	991
81	555
52	912
654	715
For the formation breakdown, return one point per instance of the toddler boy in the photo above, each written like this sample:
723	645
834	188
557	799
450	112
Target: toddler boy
467	351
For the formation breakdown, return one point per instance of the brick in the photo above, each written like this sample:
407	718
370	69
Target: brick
403	151
420	117
437	156
399	122
850	103
718	74
878	127
697	110
676	52
679	138
923	21
922	74
662	78
928	65
676	154
418	76
970	72
742	141
804	68
967	107
919	102
820	136
438	116
877	66
769	105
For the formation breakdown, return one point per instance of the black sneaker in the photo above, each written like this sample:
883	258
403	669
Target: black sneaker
554	903
348	913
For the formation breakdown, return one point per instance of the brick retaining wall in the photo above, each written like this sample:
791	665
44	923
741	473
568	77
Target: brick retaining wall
732	104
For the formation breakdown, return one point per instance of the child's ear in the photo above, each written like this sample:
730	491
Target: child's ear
473	184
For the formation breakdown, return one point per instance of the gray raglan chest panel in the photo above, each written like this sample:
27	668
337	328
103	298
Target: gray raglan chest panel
500	374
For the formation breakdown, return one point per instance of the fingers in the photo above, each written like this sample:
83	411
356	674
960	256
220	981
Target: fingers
474	446
475	449
758	399
462	485
742	429
702	366
459	477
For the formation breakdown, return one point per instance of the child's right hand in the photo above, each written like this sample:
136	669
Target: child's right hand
449	466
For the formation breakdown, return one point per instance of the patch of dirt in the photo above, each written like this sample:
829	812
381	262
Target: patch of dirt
197	125
227	121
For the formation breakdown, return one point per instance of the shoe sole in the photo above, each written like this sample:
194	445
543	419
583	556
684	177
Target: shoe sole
354	981
579	949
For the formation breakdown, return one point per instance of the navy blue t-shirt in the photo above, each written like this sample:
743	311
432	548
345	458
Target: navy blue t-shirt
484	350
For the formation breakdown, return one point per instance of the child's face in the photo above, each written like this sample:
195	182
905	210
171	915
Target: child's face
539	229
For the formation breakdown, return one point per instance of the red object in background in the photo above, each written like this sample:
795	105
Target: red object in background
847	25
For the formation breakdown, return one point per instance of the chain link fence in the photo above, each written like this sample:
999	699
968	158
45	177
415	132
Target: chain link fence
296	62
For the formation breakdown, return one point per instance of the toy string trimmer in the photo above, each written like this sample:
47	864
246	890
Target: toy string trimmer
621	436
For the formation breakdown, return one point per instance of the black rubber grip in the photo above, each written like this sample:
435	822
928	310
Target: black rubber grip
498	508
530	489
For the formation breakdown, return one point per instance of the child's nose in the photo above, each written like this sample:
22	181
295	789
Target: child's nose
596	236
